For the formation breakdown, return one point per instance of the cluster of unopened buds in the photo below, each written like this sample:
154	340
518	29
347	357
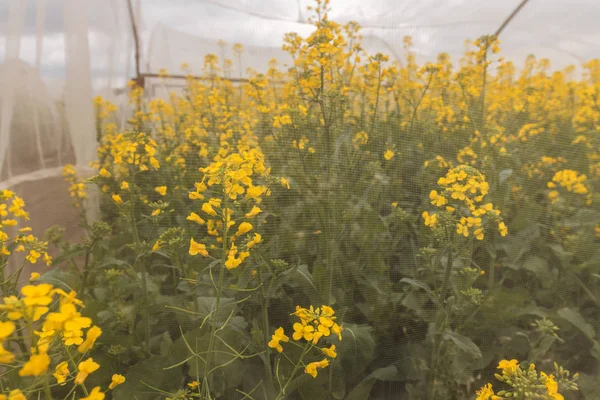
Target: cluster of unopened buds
527	383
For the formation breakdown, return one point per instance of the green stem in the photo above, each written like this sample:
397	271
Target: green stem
265	318
146	306
47	391
70	392
142	269
437	346
86	271
492	277
376	97
21	341
281	394
213	319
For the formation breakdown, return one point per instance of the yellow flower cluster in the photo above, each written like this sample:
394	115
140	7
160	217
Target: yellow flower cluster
570	180
66	324
302	144
235	176
33	310
77	188
314	324
360	139
462	199
235	172
519	380
11	211
539	169
124	150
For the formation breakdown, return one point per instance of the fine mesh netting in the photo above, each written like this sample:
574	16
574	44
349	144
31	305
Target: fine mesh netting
277	199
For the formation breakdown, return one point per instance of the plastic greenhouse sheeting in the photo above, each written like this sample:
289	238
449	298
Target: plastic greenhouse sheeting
351	214
49	33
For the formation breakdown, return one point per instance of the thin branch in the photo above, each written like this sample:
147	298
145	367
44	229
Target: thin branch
510	17
136	40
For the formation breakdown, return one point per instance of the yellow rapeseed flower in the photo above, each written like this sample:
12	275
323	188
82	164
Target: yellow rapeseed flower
551	386
508	367
116	380
95	394
330	351
6	357
502	229
16	394
90	338
233	262
197	248
6	329
437	199
37	295
244	227
84	369
486	393
462	230
61	372
195	218
255	211
478	233
255	240
305	332
207	208
37	365
278	336
430	219
311	368
162	190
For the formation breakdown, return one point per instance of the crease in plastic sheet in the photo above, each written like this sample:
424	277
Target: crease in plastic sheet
16	23
40	23
78	93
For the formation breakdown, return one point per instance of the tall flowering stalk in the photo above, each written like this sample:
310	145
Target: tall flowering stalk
461	215
228	198
314	326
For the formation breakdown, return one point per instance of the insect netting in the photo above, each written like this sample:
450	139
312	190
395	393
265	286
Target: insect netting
299	199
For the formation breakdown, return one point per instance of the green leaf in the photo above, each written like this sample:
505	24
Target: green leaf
415	283
505	174
338	383
356	351
575	318
363	389
149	372
310	388
588	385
463	343
111	261
540	267
59	278
301	278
